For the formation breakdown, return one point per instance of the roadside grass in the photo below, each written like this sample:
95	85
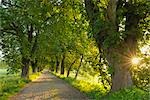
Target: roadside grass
95	91
92	90
12	83
34	76
132	93
10	86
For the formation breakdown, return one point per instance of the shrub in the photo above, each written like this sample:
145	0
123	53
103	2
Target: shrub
128	94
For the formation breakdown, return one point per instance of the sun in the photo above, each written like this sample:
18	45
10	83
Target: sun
135	60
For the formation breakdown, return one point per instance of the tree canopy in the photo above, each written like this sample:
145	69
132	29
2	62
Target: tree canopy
95	36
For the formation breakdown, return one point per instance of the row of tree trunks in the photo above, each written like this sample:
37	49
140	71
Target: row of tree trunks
26	63
62	66
25	68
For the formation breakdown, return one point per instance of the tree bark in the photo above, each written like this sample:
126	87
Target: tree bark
121	78
33	69
38	69
78	68
120	60
34	66
63	65
52	63
69	69
25	68
57	64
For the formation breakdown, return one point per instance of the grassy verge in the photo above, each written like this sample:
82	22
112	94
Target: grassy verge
34	76
96	91
9	85
93	90
132	93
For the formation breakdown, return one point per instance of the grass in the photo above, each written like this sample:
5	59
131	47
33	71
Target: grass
34	76
11	84
95	91
132	93
92	89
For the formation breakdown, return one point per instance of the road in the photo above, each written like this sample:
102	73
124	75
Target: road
49	87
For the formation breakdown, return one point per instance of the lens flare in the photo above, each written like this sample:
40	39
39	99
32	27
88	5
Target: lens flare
135	60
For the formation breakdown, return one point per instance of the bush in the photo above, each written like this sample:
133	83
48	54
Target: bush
128	94
141	76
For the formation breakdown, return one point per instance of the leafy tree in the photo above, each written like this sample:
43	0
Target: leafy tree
23	22
116	28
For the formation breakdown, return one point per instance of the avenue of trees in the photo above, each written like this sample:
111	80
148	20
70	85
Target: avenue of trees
95	36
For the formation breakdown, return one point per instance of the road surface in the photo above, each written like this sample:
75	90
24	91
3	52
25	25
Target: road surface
49	87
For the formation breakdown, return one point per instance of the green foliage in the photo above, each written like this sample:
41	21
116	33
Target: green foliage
112	40
10	85
141	74
128	94
3	65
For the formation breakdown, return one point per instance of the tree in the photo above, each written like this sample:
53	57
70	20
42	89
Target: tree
24	22
69	69
118	45
79	67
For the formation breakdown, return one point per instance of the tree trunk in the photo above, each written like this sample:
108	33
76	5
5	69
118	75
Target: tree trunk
78	68
63	65
52	66
120	59
57	64
38	69
119	55
69	69
33	69
25	68
121	77
34	65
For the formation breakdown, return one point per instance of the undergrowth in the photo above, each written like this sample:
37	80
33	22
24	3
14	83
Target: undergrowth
132	93
9	85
